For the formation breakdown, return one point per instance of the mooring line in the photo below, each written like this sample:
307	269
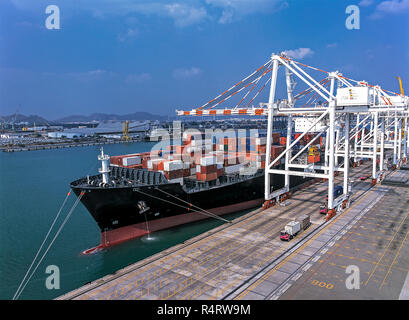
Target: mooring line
19	291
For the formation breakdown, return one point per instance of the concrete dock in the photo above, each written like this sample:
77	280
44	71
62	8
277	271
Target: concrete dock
247	260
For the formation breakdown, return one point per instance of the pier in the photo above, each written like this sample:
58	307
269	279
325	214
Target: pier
62	145
247	260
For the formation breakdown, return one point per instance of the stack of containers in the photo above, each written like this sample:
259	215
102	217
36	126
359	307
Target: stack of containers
127	161
144	159
155	164
174	171
275	152
207	170
258	148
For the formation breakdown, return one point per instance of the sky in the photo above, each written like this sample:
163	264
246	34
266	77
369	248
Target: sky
124	56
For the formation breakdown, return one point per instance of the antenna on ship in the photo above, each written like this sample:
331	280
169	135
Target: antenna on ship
104	170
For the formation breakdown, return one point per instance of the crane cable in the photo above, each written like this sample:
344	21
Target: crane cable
19	291
248	77
251	89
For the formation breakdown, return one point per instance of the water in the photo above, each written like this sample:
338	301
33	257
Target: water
33	185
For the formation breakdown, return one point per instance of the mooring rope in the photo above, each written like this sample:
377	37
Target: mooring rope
191	204
19	291
212	215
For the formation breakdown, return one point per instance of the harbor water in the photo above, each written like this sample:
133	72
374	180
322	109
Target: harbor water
33	185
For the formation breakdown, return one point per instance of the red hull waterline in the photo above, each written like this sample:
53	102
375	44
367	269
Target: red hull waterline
113	237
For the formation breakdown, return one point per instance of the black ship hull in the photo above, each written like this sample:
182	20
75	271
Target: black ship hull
126	212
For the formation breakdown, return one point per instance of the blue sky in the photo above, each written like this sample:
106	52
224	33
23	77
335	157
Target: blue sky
122	56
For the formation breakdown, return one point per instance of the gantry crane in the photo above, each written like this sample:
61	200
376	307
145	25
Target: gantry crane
359	121
125	131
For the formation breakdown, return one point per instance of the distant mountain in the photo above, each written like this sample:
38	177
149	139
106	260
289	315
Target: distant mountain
104	117
31	119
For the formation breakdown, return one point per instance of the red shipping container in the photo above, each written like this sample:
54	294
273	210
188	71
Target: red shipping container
206	176
135	166
276	151
261	148
174	174
208	169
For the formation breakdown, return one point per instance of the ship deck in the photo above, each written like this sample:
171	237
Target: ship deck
247	260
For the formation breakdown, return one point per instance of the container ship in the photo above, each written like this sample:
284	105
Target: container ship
136	194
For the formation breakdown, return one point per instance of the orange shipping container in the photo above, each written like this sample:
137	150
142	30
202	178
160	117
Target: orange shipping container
206	176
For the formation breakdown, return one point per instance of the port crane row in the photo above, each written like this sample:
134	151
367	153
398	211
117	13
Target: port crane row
360	121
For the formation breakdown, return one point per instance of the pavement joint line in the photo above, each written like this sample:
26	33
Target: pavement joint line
346	239
164	254
306	241
390	267
368	208
208	235
396	232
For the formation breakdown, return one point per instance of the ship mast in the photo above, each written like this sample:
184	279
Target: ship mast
104	170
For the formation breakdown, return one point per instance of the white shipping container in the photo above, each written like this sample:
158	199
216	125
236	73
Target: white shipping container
193	149
201	142
260	141
207	161
292	227
130	161
173	165
152	161
233	169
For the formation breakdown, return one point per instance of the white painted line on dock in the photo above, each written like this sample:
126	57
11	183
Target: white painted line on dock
316	258
404	293
297	276
285	288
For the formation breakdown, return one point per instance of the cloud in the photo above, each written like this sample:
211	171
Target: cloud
183	12
138	78
390	7
365	3
91	75
181	74
129	34
299	53
236	9
332	45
